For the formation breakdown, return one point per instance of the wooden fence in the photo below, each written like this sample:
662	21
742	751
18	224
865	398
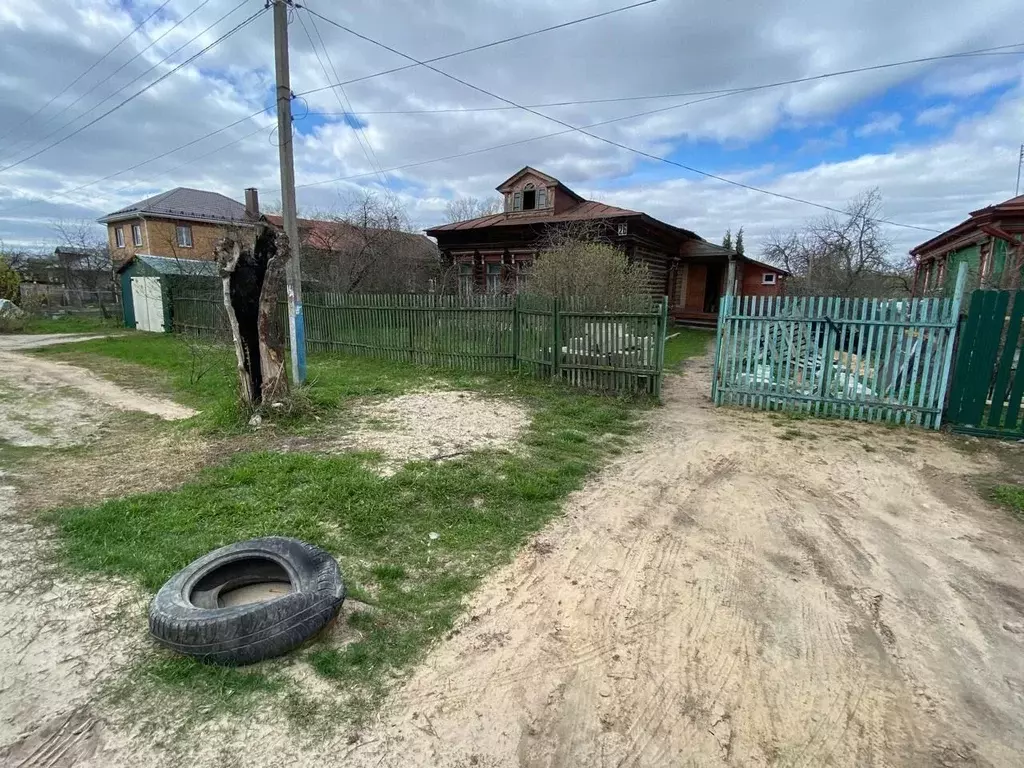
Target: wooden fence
988	384
867	359
574	340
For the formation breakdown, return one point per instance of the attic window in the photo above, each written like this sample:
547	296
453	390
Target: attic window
768	278
529	198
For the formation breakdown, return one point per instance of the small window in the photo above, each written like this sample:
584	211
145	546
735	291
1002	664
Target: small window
136	234
529	198
623	229
494	278
184	236
768	278
119	236
465	279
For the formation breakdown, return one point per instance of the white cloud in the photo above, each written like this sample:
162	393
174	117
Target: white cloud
666	47
880	124
936	116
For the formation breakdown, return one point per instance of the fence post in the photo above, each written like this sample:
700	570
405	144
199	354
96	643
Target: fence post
659	348
724	308
954	319
515	333
556	340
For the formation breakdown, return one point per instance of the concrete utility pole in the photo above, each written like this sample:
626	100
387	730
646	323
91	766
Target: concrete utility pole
1020	162
293	271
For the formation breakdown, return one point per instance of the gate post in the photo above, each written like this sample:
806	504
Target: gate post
954	319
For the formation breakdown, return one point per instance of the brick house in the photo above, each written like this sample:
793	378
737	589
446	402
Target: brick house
491	253
181	223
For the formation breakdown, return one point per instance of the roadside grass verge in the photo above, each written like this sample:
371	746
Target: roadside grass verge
686	343
203	376
1011	497
72	324
482	507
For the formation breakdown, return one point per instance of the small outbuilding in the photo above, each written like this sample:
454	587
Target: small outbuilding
148	284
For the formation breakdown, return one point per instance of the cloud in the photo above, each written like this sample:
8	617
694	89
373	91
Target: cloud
880	124
936	116
660	48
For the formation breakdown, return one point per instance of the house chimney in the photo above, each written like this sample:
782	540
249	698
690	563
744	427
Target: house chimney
252	203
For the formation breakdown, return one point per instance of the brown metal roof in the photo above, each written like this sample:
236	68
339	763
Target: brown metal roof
586	210
1013	207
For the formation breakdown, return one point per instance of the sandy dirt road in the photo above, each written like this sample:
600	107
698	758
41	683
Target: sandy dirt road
727	597
731	593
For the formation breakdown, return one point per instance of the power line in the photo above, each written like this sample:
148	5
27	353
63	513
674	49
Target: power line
138	93
95	64
361	137
35	143
485	46
611	142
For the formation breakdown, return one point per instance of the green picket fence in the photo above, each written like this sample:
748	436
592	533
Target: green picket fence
575	340
866	359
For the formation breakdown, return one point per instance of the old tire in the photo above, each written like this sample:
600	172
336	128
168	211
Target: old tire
190	614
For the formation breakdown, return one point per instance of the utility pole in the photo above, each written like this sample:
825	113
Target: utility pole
1020	162
293	270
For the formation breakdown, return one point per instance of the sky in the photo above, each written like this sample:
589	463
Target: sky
939	139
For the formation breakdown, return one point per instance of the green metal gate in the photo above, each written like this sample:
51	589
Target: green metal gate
985	396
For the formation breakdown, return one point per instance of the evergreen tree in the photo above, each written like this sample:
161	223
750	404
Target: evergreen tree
739	242
727	240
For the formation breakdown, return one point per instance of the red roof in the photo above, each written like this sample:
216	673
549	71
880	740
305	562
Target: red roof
329	235
588	209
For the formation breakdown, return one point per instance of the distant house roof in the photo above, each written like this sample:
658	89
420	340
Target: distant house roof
184	203
1012	209
588	209
168	266
328	235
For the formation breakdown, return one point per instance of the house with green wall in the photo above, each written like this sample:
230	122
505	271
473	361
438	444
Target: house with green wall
989	241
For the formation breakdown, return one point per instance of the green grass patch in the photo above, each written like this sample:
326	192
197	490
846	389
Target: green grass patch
412	545
687	343
1010	496
72	324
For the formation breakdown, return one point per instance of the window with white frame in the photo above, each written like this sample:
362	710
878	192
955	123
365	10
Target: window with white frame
136	234
184	235
768	278
465	279
119	236
494	278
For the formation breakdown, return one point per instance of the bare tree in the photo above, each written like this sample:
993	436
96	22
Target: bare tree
839	254
368	247
465	208
577	260
84	258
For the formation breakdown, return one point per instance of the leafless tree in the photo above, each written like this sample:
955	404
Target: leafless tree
839	254
465	208
84	258
368	247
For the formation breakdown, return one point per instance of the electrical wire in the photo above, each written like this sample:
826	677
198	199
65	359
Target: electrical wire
608	141
138	93
361	138
36	142
95	64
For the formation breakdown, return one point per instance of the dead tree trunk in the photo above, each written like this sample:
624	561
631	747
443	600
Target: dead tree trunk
251	278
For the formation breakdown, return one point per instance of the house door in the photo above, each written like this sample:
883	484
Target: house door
713	288
149	304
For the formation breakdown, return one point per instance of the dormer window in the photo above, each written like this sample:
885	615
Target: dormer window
530	199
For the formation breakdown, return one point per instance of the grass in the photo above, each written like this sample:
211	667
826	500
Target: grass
1012	497
72	324
482	508
687	343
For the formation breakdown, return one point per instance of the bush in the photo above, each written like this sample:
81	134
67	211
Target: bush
10	282
575	265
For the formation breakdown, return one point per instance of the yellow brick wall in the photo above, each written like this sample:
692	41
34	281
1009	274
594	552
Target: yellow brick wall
159	238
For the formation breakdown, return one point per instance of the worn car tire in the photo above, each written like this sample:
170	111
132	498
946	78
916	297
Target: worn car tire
187	616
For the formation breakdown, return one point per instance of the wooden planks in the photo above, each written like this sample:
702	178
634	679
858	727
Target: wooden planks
865	359
573	340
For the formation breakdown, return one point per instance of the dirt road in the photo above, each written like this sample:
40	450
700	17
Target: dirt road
737	591
727	597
